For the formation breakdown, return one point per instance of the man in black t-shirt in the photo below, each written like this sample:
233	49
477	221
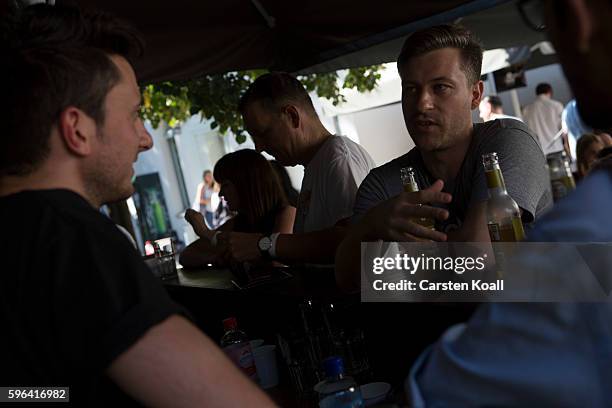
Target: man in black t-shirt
78	307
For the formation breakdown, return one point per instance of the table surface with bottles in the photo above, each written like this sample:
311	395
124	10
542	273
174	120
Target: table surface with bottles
309	320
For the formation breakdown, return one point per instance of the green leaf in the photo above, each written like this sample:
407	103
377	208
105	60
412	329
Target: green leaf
216	97
241	138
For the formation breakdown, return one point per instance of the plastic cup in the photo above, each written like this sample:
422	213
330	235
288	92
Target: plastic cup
265	361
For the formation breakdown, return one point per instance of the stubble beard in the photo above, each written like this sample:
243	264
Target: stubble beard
105	180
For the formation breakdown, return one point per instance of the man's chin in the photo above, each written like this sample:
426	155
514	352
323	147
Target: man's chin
425	144
119	196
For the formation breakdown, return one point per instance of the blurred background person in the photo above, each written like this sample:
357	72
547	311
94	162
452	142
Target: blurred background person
573	127
254	193
491	108
604	136
205	197
543	116
587	149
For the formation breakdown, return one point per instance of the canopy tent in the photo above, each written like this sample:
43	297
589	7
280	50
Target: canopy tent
187	38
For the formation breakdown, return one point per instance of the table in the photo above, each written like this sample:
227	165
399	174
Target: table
395	333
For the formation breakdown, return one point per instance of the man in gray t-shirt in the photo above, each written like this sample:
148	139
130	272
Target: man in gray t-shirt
440	72
521	162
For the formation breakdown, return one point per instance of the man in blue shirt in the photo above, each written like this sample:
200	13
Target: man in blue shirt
542	354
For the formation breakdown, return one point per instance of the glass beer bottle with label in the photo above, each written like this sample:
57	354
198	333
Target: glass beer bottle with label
411	186
503	214
561	179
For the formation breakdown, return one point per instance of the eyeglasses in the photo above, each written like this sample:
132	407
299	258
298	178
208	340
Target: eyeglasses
532	12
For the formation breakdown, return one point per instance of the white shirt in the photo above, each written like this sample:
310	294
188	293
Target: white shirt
330	184
494	116
543	117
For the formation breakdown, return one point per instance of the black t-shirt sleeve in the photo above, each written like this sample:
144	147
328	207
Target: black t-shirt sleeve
118	297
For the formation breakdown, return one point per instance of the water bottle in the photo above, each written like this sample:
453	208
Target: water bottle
338	391
235	344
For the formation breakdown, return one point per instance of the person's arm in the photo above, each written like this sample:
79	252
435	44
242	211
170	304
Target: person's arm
389	221
198	197
202	251
197	222
199	253
566	146
521	354
474	227
318	247
175	365
284	220
523	166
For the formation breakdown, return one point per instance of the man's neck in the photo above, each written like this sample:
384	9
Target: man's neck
445	164
42	180
319	135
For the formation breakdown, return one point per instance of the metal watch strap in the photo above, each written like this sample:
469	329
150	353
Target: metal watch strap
272	250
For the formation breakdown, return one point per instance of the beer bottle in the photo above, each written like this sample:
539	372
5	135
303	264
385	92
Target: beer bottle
503	214
561	179
411	186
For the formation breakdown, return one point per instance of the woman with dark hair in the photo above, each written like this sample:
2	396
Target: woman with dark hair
253	191
587	148
283	176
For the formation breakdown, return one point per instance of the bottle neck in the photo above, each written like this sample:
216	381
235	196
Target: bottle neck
410	184
336	377
411	187
495	180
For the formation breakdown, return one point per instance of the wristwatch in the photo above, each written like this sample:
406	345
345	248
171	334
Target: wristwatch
264	244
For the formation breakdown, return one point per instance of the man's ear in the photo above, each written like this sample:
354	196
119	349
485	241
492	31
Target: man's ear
292	114
77	130
477	91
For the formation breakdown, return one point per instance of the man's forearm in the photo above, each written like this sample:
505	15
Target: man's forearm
311	247
348	259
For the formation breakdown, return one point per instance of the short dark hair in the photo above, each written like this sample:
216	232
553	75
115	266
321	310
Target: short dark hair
445	36
584	142
543	88
274	90
54	57
494	100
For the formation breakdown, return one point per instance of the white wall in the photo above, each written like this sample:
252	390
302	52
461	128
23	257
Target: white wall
199	149
552	74
381	131
159	160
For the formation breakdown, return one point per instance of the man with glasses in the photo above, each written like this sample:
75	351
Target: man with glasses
543	354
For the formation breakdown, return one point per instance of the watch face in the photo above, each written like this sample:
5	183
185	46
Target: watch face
265	244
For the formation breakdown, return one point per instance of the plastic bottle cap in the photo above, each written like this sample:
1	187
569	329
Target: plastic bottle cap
333	366
230	323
